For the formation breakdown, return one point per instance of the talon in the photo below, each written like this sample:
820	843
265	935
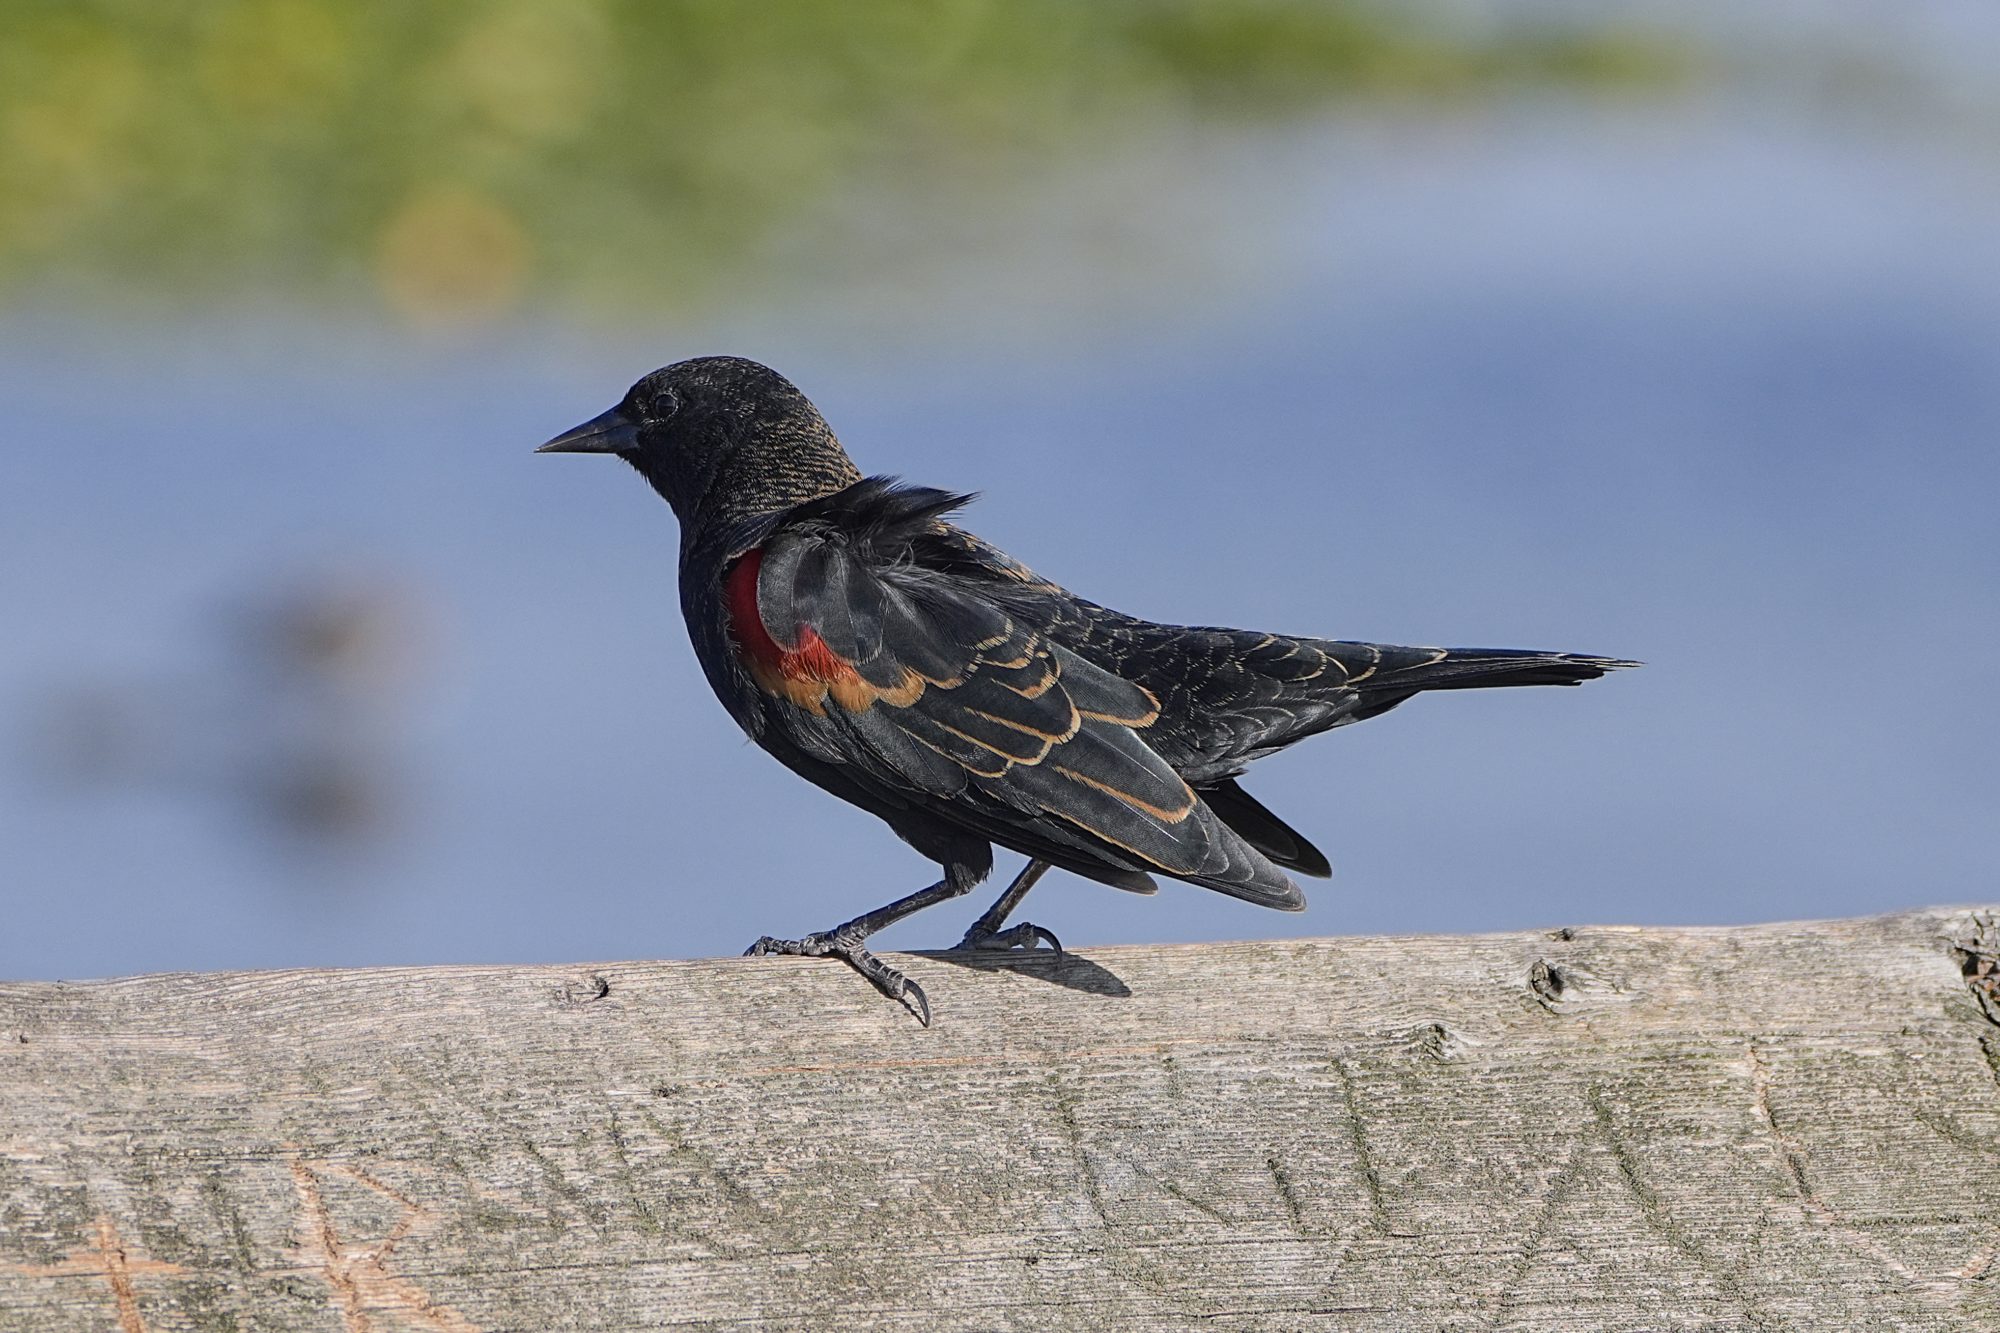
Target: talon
831	944
889	981
914	1000
1022	936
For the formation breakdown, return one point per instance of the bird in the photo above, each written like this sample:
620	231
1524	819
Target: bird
886	654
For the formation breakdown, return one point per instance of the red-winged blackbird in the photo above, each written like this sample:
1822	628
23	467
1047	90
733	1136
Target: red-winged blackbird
907	666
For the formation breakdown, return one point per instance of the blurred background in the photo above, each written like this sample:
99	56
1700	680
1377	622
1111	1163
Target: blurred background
1664	331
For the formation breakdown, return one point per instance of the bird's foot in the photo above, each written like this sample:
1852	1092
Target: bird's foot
1025	935
832	944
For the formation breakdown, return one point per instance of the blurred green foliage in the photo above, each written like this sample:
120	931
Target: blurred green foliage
455	159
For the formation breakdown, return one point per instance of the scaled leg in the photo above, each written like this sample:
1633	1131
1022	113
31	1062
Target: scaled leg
845	941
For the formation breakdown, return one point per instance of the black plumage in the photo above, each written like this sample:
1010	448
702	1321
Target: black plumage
905	665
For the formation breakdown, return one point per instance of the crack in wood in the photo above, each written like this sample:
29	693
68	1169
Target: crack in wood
1073	1135
1288	1195
628	1178
324	1250
1976	1268
705	1166
1547	1207
560	1184
357	1276
1186	1196
1364	1156
118	1272
1947	1128
105	1255
1794	1157
1653	1208
216	1195
1976	945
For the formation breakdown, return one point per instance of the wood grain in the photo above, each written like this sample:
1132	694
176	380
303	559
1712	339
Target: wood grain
1777	1127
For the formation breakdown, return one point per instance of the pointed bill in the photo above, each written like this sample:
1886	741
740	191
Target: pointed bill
607	433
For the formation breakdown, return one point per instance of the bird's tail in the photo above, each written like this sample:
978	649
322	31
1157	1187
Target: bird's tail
1483	668
1385	675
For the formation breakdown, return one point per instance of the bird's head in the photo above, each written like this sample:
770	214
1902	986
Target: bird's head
720	437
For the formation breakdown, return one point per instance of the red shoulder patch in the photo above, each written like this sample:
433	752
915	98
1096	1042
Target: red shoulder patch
801	673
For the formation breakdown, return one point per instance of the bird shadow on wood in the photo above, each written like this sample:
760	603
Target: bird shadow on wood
1069	970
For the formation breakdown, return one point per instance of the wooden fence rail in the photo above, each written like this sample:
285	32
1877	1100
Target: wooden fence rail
1773	1127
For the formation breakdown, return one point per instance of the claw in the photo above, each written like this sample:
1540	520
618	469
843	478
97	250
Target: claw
827	944
1025	935
889	981
914	1000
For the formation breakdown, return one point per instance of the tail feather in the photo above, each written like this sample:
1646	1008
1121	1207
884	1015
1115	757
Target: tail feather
1484	668
1281	843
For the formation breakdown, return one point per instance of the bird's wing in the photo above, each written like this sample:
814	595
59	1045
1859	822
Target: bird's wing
874	647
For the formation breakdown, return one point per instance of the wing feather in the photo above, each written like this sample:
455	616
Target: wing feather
925	680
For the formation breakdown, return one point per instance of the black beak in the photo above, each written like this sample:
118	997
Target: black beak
607	433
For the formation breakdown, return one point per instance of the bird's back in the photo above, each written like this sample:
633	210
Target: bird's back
1228	697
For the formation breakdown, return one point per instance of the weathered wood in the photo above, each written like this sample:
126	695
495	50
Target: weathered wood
1776	1127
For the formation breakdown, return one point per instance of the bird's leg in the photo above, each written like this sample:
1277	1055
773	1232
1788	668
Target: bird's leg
986	932
845	941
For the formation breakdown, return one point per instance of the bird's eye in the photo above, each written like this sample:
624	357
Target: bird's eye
665	403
